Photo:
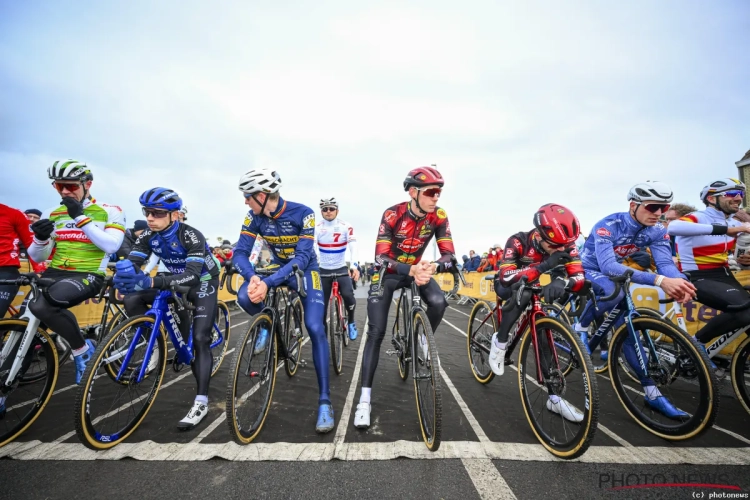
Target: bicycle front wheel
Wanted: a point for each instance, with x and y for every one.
(252, 378)
(427, 380)
(740, 370)
(24, 402)
(563, 412)
(482, 325)
(401, 333)
(108, 410)
(678, 369)
(335, 334)
(220, 332)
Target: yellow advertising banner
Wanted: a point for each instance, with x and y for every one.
(696, 314)
(90, 311)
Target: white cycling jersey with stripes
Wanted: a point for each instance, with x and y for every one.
(332, 239)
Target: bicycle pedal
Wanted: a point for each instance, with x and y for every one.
(508, 361)
(391, 352)
(302, 362)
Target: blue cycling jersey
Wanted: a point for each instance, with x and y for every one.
(619, 235)
(289, 231)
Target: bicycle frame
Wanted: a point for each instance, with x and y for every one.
(26, 341)
(160, 311)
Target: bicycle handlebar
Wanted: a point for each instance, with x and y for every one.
(28, 279)
(226, 278)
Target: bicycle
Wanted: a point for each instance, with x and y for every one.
(677, 355)
(414, 344)
(540, 336)
(244, 419)
(336, 322)
(28, 363)
(134, 358)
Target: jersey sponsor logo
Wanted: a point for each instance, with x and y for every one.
(73, 236)
(406, 259)
(113, 206)
(389, 216)
(281, 240)
(315, 280)
(625, 250)
(441, 213)
(193, 237)
(603, 232)
(509, 253)
(410, 245)
(248, 220)
(404, 224)
(382, 228)
(309, 221)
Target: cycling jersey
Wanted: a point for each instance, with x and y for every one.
(403, 237)
(332, 238)
(14, 229)
(616, 237)
(83, 244)
(183, 251)
(289, 232)
(523, 254)
(702, 239)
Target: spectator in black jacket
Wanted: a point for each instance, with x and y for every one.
(130, 236)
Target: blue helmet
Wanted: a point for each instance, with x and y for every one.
(161, 198)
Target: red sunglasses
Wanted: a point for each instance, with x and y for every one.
(66, 185)
(431, 192)
(655, 207)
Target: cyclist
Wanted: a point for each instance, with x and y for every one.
(333, 236)
(530, 254)
(14, 231)
(611, 241)
(405, 230)
(289, 229)
(704, 240)
(154, 260)
(82, 232)
(188, 260)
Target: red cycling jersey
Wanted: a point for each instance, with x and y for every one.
(523, 254)
(14, 228)
(403, 237)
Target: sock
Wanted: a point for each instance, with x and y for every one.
(555, 399)
(202, 400)
(80, 351)
(651, 392)
(579, 328)
(365, 396)
(501, 345)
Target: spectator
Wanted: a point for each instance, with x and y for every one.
(226, 248)
(675, 212)
(494, 255)
(484, 264)
(466, 263)
(130, 236)
(33, 214)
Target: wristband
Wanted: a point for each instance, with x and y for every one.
(658, 281)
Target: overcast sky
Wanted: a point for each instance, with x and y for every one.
(518, 103)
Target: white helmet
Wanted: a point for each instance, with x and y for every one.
(721, 186)
(330, 202)
(650, 191)
(263, 180)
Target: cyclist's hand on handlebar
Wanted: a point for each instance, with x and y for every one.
(554, 291)
(679, 289)
(256, 290)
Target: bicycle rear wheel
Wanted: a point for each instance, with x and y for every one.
(24, 402)
(251, 383)
(221, 329)
(579, 391)
(679, 370)
(106, 410)
(335, 334)
(740, 370)
(427, 380)
(293, 336)
(478, 341)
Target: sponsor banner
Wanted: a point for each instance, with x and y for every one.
(90, 311)
(696, 314)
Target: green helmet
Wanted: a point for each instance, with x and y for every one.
(69, 170)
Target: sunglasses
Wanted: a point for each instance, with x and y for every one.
(156, 214)
(655, 207)
(733, 194)
(66, 185)
(431, 192)
(328, 209)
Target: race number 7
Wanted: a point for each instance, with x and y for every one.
(336, 237)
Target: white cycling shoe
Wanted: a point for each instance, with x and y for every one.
(497, 357)
(362, 416)
(566, 410)
(197, 413)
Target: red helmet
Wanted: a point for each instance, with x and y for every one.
(556, 224)
(423, 176)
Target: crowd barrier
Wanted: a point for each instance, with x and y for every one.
(90, 311)
(696, 314)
